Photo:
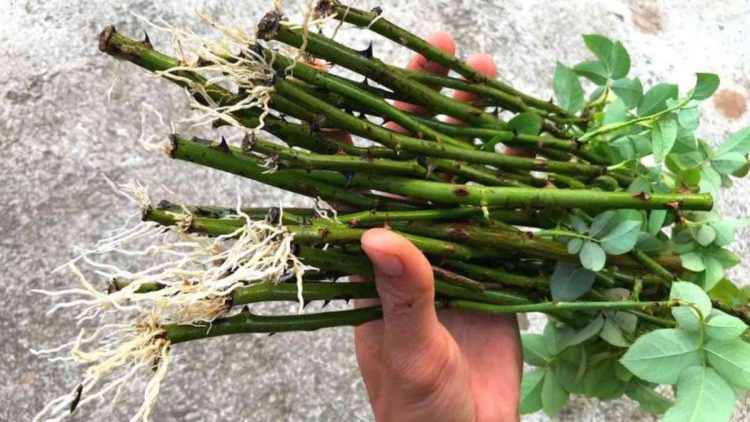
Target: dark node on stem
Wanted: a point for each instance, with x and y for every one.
(76, 398)
(642, 196)
(105, 36)
(540, 164)
(461, 190)
(173, 142)
(529, 235)
(377, 10)
(245, 310)
(163, 204)
(323, 8)
(147, 41)
(367, 52)
(458, 233)
(325, 303)
(112, 287)
(349, 176)
(248, 141)
(294, 249)
(675, 205)
(271, 333)
(269, 25)
(223, 146)
(228, 302)
(273, 216)
(365, 81)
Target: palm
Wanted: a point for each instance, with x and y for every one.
(482, 365)
(491, 346)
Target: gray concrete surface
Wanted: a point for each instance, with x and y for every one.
(58, 133)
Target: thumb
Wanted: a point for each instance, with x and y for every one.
(404, 281)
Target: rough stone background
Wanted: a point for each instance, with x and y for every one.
(58, 134)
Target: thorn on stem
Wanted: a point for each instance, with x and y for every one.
(76, 398)
(366, 53)
(147, 40)
(223, 146)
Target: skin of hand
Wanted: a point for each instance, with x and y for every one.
(419, 364)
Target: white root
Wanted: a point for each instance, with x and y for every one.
(196, 276)
(114, 353)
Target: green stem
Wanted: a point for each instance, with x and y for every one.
(519, 242)
(246, 322)
(401, 36)
(511, 197)
(558, 306)
(654, 266)
(376, 70)
(232, 160)
(342, 87)
(310, 161)
(398, 141)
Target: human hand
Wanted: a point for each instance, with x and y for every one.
(419, 364)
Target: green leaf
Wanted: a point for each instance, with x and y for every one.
(661, 355)
(569, 281)
(531, 391)
(731, 359)
(592, 256)
(649, 243)
(623, 236)
(592, 70)
(601, 381)
(705, 85)
(577, 223)
(568, 90)
(702, 396)
(721, 326)
(570, 368)
(650, 401)
(710, 180)
(574, 245)
(535, 349)
(656, 98)
(554, 396)
(528, 123)
(726, 229)
(615, 112)
(738, 142)
(627, 321)
(729, 162)
(692, 294)
(656, 221)
(600, 45)
(687, 316)
(663, 137)
(603, 223)
(619, 61)
(713, 273)
(612, 334)
(689, 117)
(727, 293)
(706, 235)
(553, 337)
(492, 143)
(630, 91)
(585, 333)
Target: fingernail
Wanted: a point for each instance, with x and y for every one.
(386, 264)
